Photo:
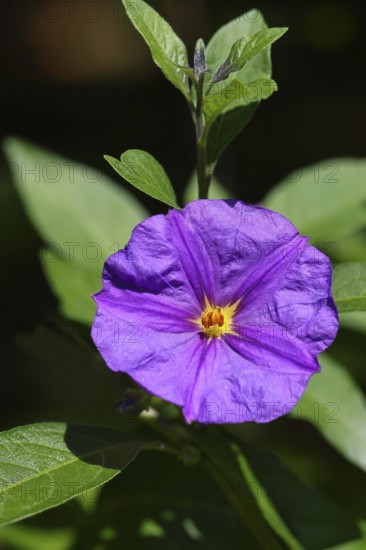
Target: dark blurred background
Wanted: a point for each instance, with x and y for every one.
(77, 78)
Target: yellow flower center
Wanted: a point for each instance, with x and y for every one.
(217, 320)
(213, 321)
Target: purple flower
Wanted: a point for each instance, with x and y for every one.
(220, 308)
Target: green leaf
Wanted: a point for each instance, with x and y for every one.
(59, 363)
(352, 248)
(216, 190)
(167, 49)
(70, 202)
(228, 111)
(45, 465)
(228, 125)
(336, 407)
(161, 504)
(245, 49)
(353, 321)
(349, 286)
(325, 200)
(302, 518)
(359, 544)
(81, 214)
(230, 461)
(23, 537)
(224, 129)
(247, 25)
(145, 173)
(236, 94)
(73, 284)
(265, 504)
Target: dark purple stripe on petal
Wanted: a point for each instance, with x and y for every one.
(194, 258)
(268, 272)
(230, 388)
(150, 264)
(242, 242)
(147, 310)
(273, 351)
(296, 303)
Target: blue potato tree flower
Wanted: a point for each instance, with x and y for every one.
(221, 308)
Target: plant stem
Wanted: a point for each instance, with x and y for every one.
(201, 171)
(202, 176)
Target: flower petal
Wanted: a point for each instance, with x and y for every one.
(162, 362)
(243, 243)
(194, 257)
(150, 265)
(145, 311)
(294, 305)
(230, 388)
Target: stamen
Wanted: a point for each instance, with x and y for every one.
(217, 320)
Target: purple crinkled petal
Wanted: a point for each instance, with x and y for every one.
(231, 388)
(243, 242)
(162, 362)
(194, 257)
(150, 265)
(294, 305)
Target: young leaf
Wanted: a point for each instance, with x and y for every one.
(145, 173)
(82, 215)
(244, 49)
(237, 94)
(247, 26)
(349, 286)
(167, 49)
(309, 520)
(199, 59)
(229, 124)
(47, 464)
(227, 112)
(336, 406)
(325, 200)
